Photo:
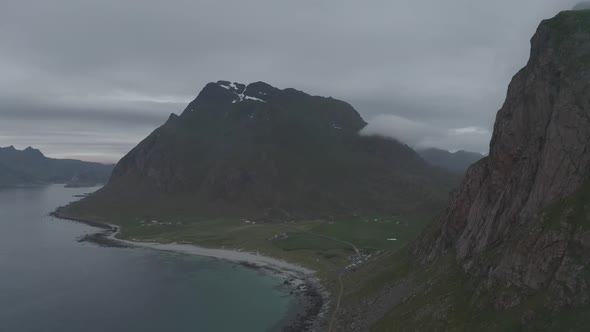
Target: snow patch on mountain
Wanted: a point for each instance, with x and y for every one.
(240, 94)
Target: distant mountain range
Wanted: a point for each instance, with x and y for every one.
(256, 150)
(31, 167)
(457, 162)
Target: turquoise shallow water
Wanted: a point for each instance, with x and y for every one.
(50, 282)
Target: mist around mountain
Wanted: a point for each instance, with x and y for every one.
(582, 6)
(457, 162)
(256, 150)
(30, 167)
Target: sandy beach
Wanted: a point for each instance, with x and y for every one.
(313, 298)
(230, 255)
(311, 294)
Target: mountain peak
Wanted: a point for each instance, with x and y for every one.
(242, 149)
(226, 93)
(232, 86)
(31, 151)
(242, 92)
(30, 167)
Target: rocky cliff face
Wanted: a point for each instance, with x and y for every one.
(256, 150)
(521, 218)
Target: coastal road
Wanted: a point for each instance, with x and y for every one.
(333, 319)
(340, 274)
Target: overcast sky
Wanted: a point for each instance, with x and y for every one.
(89, 79)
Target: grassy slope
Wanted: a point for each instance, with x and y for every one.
(308, 242)
(449, 302)
(448, 305)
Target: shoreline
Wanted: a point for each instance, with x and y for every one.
(313, 299)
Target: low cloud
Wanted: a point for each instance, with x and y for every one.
(421, 135)
(432, 70)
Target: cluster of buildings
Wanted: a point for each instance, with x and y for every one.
(355, 260)
(281, 236)
(155, 222)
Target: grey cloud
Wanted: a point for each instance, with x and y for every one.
(106, 112)
(422, 135)
(72, 139)
(125, 65)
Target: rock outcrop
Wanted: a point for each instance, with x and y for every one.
(520, 220)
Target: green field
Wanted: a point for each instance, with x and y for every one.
(328, 246)
(317, 244)
(325, 246)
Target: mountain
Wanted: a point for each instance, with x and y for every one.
(457, 162)
(31, 167)
(582, 6)
(508, 222)
(255, 150)
(511, 252)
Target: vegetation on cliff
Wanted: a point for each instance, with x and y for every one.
(510, 252)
